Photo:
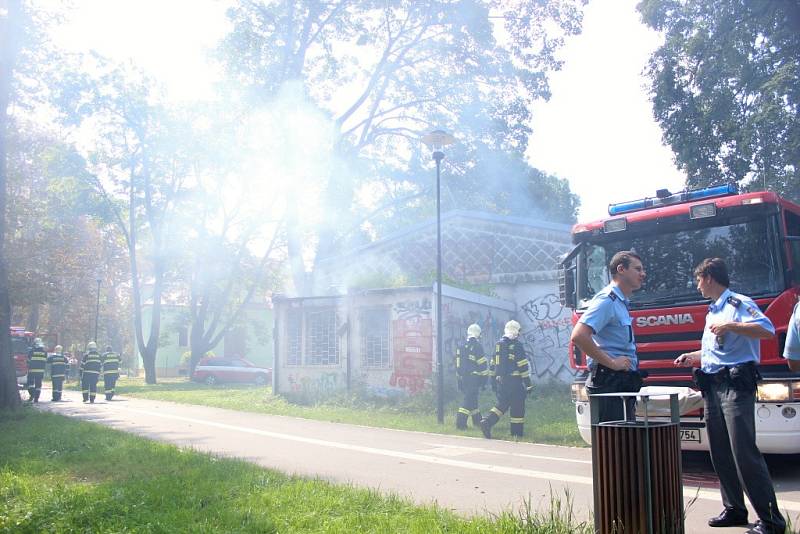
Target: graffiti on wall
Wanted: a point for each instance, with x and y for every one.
(413, 309)
(315, 385)
(412, 342)
(454, 330)
(546, 330)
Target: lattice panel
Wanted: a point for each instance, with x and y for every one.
(475, 251)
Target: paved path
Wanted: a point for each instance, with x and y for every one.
(464, 474)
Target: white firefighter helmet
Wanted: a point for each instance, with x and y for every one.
(58, 349)
(91, 346)
(473, 330)
(512, 329)
(38, 343)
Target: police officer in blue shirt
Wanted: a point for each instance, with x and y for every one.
(728, 377)
(605, 334)
(791, 351)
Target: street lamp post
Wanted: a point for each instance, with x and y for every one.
(436, 140)
(97, 309)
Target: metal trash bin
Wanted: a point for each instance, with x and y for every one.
(636, 470)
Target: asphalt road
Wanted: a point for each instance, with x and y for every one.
(467, 475)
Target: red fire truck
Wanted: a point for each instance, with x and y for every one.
(21, 341)
(758, 236)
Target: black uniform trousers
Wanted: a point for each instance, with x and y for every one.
(511, 395)
(58, 387)
(34, 384)
(109, 380)
(471, 387)
(89, 385)
(604, 380)
(730, 424)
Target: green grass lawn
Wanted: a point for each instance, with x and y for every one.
(63, 475)
(549, 415)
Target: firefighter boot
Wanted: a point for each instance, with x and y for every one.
(489, 421)
(476, 417)
(517, 426)
(86, 396)
(461, 418)
(91, 398)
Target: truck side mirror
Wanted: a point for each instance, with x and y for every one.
(566, 286)
(567, 270)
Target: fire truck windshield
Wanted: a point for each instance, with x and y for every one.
(749, 248)
(19, 345)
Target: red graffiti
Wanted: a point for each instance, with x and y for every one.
(413, 353)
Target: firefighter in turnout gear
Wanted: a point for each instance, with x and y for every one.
(90, 372)
(110, 371)
(472, 370)
(37, 361)
(58, 371)
(512, 375)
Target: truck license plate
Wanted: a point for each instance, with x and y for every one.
(690, 434)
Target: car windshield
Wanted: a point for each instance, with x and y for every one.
(670, 258)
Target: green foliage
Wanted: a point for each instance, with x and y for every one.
(431, 64)
(726, 90)
(62, 475)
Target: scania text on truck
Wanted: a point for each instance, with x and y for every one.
(758, 236)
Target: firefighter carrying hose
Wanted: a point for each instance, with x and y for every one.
(472, 371)
(58, 371)
(90, 372)
(512, 376)
(110, 371)
(37, 361)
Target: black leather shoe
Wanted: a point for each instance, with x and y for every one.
(762, 528)
(729, 518)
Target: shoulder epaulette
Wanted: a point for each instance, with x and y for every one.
(612, 295)
(734, 301)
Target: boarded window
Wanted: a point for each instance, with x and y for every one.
(321, 343)
(375, 337)
(294, 337)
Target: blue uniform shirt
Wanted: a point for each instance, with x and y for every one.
(731, 348)
(791, 350)
(609, 318)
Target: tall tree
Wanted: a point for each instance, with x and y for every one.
(386, 72)
(10, 27)
(140, 165)
(224, 273)
(726, 89)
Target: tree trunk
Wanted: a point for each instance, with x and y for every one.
(149, 359)
(32, 324)
(9, 29)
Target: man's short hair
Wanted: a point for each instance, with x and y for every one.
(623, 257)
(716, 269)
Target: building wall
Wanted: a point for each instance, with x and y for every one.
(546, 327)
(402, 321)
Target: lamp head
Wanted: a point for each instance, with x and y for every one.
(436, 141)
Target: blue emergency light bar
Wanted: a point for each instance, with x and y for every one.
(676, 198)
